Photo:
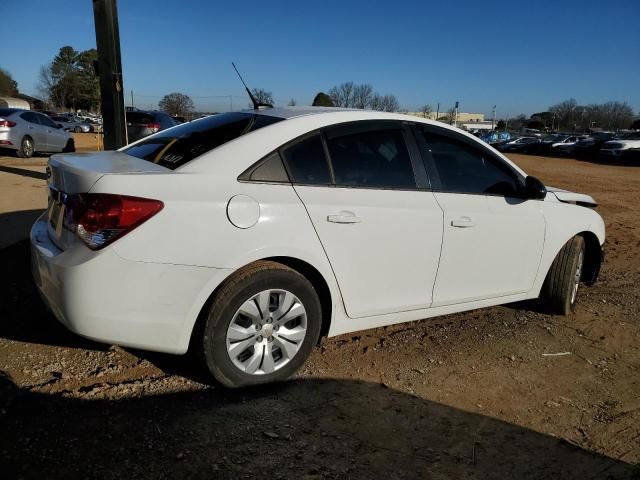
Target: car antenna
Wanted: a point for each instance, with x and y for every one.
(256, 104)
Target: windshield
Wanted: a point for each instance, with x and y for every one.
(174, 147)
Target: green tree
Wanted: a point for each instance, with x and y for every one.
(176, 104)
(88, 94)
(8, 86)
(322, 100)
(69, 81)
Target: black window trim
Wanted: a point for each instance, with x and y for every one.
(419, 172)
(432, 173)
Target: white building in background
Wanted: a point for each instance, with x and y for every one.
(10, 102)
(462, 117)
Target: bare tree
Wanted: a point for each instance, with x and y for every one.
(176, 104)
(566, 113)
(390, 103)
(292, 102)
(426, 110)
(50, 89)
(262, 96)
(362, 95)
(376, 102)
(342, 95)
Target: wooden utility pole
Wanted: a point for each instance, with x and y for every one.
(109, 69)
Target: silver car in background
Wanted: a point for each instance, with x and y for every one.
(71, 124)
(27, 132)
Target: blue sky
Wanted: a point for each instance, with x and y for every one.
(521, 56)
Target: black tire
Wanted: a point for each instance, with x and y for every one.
(27, 147)
(557, 294)
(210, 340)
(77, 130)
(70, 146)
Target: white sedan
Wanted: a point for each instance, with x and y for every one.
(247, 236)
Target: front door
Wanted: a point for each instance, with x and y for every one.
(493, 238)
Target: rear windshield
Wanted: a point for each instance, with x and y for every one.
(7, 111)
(139, 117)
(177, 146)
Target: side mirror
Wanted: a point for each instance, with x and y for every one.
(534, 189)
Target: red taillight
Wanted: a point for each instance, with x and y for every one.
(101, 218)
(153, 126)
(7, 123)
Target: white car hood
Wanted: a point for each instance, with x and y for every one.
(573, 197)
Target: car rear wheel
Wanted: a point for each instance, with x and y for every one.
(70, 146)
(560, 290)
(261, 326)
(27, 148)
(77, 129)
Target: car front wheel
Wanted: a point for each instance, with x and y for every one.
(261, 326)
(560, 290)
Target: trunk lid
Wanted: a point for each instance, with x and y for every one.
(74, 173)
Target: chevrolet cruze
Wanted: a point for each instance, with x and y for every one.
(247, 236)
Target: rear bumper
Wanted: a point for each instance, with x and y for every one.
(106, 298)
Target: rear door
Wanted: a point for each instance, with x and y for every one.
(493, 238)
(380, 227)
(55, 137)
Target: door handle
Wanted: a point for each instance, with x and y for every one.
(344, 217)
(462, 222)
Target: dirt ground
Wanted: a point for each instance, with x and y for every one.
(462, 396)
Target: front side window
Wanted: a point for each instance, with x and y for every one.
(307, 163)
(375, 158)
(177, 146)
(457, 167)
(46, 121)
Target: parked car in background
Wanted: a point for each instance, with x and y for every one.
(246, 236)
(142, 123)
(565, 145)
(516, 145)
(27, 132)
(589, 147)
(615, 149)
(72, 125)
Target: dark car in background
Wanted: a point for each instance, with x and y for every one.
(142, 123)
(589, 147)
(517, 144)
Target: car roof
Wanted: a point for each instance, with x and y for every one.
(11, 111)
(300, 121)
(292, 112)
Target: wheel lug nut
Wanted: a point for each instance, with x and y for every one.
(276, 328)
(259, 338)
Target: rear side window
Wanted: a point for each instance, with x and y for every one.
(174, 148)
(371, 158)
(462, 168)
(307, 162)
(269, 170)
(44, 120)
